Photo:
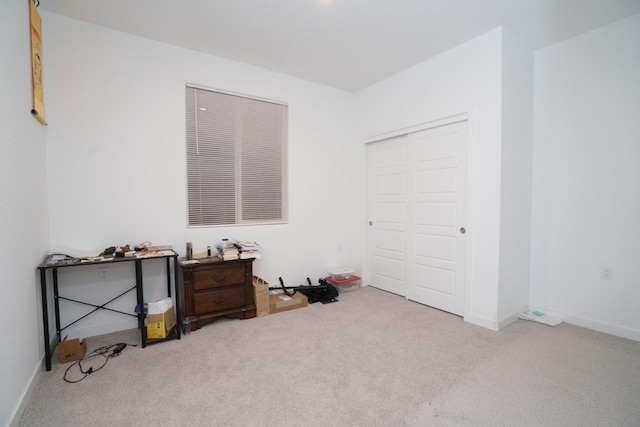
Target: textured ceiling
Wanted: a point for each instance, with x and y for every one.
(347, 44)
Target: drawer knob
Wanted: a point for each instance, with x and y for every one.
(220, 301)
(222, 278)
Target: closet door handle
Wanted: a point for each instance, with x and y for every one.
(462, 230)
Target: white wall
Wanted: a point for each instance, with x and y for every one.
(23, 215)
(116, 159)
(586, 181)
(466, 79)
(515, 182)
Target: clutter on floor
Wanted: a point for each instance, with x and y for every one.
(540, 317)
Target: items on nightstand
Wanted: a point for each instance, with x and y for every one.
(249, 250)
(227, 250)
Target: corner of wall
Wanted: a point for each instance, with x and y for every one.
(482, 322)
(516, 176)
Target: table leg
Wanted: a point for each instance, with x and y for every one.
(45, 319)
(177, 293)
(56, 303)
(140, 294)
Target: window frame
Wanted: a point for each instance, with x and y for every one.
(248, 115)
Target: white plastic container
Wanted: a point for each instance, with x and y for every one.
(341, 273)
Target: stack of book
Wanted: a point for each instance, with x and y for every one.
(227, 250)
(249, 250)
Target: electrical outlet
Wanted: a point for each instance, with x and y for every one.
(607, 272)
(103, 274)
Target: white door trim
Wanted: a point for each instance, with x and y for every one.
(446, 120)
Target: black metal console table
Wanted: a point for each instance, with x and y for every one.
(168, 255)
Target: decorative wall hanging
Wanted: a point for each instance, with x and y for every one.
(36, 61)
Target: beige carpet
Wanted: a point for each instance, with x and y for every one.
(372, 359)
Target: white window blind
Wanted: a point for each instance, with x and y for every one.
(236, 159)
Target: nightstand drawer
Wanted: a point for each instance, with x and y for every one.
(212, 301)
(208, 279)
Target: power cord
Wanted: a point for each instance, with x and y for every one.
(107, 352)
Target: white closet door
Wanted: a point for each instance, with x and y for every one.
(387, 199)
(417, 207)
(437, 217)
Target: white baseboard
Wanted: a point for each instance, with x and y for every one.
(481, 321)
(511, 318)
(26, 394)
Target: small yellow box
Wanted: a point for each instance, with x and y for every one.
(159, 325)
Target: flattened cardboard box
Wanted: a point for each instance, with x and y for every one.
(282, 302)
(159, 325)
(71, 350)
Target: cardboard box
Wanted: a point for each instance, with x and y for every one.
(71, 350)
(280, 302)
(159, 325)
(261, 296)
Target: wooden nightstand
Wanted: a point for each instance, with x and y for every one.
(214, 288)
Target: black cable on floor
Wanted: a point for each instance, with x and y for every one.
(106, 352)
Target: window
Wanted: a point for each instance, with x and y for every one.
(236, 159)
